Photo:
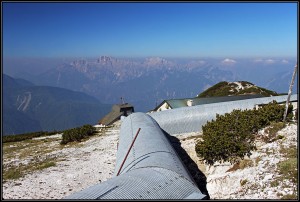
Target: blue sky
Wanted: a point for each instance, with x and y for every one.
(149, 29)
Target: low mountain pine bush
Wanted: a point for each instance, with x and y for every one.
(231, 136)
(77, 134)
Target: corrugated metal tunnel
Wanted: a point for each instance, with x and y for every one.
(191, 119)
(152, 169)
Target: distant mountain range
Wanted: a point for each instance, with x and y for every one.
(146, 82)
(225, 88)
(29, 108)
(141, 82)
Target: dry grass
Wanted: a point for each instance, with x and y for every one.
(11, 171)
(27, 156)
(241, 165)
(192, 137)
(257, 160)
(243, 182)
(21, 158)
(271, 132)
(246, 163)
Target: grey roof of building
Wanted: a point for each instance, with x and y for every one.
(110, 118)
(115, 114)
(177, 103)
(121, 106)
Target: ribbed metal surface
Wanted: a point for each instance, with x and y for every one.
(177, 103)
(151, 147)
(152, 170)
(191, 119)
(143, 183)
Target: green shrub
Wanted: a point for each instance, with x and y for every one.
(26, 136)
(226, 139)
(77, 134)
(231, 136)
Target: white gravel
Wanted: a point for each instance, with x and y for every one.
(89, 164)
(94, 162)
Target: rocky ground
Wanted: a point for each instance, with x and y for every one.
(77, 167)
(80, 165)
(257, 177)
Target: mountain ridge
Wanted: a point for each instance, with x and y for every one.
(225, 88)
(109, 78)
(46, 108)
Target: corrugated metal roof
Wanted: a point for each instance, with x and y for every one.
(177, 103)
(151, 148)
(152, 170)
(191, 119)
(143, 183)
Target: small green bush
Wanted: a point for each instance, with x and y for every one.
(77, 134)
(226, 139)
(231, 136)
(26, 136)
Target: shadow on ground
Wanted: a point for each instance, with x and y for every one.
(191, 166)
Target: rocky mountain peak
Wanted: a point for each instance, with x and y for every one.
(79, 62)
(157, 61)
(104, 59)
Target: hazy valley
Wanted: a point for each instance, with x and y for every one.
(145, 82)
(29, 108)
(49, 96)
